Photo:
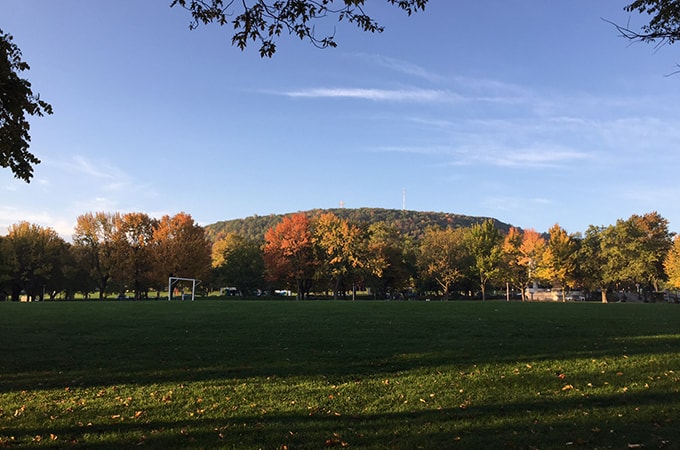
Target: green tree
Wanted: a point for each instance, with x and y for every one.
(76, 270)
(484, 242)
(237, 262)
(443, 257)
(16, 101)
(264, 21)
(635, 250)
(39, 254)
(654, 241)
(595, 268)
(8, 265)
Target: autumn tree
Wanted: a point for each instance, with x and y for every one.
(39, 253)
(484, 243)
(558, 264)
(390, 261)
(16, 101)
(263, 21)
(341, 250)
(181, 248)
(237, 262)
(672, 264)
(289, 253)
(133, 253)
(443, 256)
(512, 268)
(93, 238)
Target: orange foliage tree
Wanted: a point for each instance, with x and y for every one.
(522, 253)
(181, 248)
(289, 253)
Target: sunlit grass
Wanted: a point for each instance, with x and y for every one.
(287, 374)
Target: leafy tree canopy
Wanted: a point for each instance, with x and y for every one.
(16, 101)
(664, 21)
(263, 21)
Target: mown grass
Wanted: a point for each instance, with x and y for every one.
(310, 375)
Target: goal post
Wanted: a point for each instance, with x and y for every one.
(173, 280)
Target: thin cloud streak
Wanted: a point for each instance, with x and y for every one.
(402, 66)
(398, 95)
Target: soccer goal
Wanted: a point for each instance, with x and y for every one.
(172, 281)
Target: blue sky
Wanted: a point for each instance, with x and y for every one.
(534, 113)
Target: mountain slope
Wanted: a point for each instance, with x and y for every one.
(410, 223)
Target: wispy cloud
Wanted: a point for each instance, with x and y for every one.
(96, 170)
(394, 95)
(536, 158)
(103, 176)
(402, 66)
(420, 150)
(543, 156)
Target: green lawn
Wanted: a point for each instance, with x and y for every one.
(324, 374)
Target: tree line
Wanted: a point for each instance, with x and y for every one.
(111, 254)
(322, 254)
(333, 255)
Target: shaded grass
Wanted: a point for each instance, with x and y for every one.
(285, 374)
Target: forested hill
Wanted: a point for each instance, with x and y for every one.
(411, 223)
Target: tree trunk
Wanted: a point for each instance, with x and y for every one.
(604, 295)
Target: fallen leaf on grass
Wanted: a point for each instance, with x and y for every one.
(567, 387)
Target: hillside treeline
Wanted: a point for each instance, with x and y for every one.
(409, 223)
(320, 253)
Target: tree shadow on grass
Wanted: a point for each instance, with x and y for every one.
(599, 421)
(196, 360)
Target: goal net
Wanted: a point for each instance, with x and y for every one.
(173, 284)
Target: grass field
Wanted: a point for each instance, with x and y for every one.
(324, 374)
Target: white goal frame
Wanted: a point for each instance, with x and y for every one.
(173, 280)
